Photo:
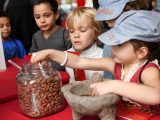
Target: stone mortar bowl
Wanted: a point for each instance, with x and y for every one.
(78, 96)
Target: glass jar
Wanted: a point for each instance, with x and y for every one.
(39, 90)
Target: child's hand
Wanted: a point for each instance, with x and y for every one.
(38, 56)
(101, 88)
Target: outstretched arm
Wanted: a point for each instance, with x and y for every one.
(146, 93)
(74, 61)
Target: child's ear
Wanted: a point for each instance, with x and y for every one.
(142, 52)
(57, 14)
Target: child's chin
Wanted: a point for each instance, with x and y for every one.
(78, 48)
(44, 28)
(5, 36)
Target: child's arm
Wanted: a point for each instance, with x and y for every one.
(146, 93)
(75, 61)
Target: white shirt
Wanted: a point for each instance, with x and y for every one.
(93, 52)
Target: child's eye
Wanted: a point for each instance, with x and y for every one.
(48, 15)
(83, 30)
(71, 31)
(8, 25)
(37, 17)
(120, 45)
(1, 26)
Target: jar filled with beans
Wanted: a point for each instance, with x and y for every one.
(39, 90)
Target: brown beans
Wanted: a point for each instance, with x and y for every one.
(41, 97)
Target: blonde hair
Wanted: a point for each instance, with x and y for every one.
(88, 14)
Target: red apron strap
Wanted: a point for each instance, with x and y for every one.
(79, 74)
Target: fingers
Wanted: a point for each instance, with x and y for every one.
(36, 57)
(33, 58)
(39, 56)
(94, 90)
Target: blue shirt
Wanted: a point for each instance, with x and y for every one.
(13, 48)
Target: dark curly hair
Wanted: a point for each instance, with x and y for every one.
(153, 48)
(53, 3)
(4, 14)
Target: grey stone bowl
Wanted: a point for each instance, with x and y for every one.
(78, 96)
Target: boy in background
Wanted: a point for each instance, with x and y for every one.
(50, 35)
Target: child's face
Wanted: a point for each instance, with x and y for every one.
(124, 53)
(5, 27)
(44, 17)
(82, 35)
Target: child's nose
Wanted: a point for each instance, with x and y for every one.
(76, 34)
(42, 20)
(5, 27)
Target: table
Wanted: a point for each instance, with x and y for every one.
(11, 111)
(9, 107)
(8, 89)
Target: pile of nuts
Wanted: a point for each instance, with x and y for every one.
(40, 96)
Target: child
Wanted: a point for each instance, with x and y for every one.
(110, 10)
(12, 47)
(134, 40)
(50, 35)
(83, 33)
